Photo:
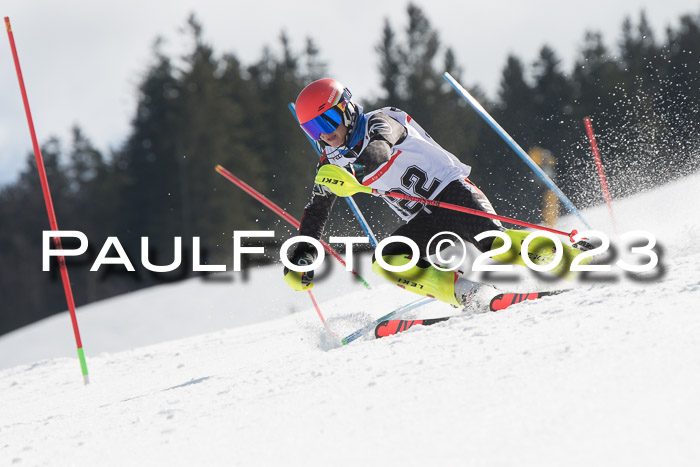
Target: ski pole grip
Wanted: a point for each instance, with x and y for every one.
(572, 235)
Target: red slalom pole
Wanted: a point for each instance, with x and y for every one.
(292, 220)
(281, 212)
(599, 167)
(49, 205)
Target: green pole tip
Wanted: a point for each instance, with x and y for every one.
(83, 364)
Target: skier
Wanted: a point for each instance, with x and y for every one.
(388, 150)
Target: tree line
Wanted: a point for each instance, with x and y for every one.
(203, 108)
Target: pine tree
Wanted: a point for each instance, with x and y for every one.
(389, 68)
(516, 107)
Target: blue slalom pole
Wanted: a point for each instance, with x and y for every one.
(351, 202)
(511, 142)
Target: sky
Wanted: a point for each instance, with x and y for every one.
(82, 61)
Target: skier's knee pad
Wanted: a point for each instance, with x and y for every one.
(423, 278)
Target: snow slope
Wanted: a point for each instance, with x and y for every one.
(607, 374)
(167, 312)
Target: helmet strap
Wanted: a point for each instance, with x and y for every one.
(349, 120)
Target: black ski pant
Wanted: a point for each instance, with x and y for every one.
(433, 220)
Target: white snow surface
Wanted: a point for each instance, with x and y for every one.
(606, 374)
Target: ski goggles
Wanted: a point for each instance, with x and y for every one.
(328, 121)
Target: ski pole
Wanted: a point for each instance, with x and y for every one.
(351, 202)
(320, 315)
(282, 213)
(599, 168)
(515, 146)
(342, 183)
(49, 205)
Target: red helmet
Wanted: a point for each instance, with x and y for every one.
(322, 106)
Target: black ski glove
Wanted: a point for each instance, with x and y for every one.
(300, 280)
